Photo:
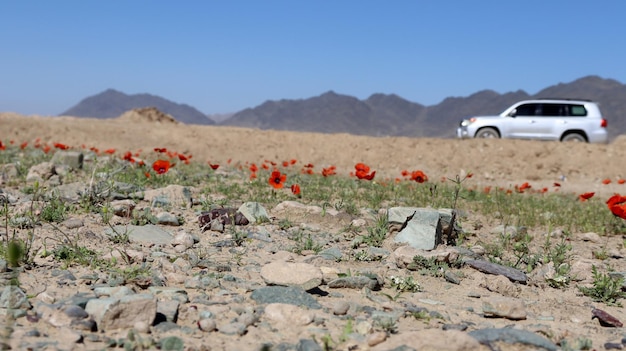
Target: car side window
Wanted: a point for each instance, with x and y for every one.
(552, 110)
(577, 110)
(526, 110)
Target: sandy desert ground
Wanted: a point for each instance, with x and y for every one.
(578, 167)
(554, 313)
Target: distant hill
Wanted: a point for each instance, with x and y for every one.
(391, 115)
(378, 115)
(112, 103)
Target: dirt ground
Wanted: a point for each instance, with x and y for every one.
(578, 167)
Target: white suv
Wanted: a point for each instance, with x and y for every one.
(541, 119)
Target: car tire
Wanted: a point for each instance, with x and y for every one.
(488, 133)
(575, 137)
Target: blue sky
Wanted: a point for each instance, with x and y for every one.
(224, 56)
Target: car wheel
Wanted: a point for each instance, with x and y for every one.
(574, 137)
(488, 133)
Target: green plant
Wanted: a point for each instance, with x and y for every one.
(54, 210)
(119, 237)
(432, 266)
(143, 217)
(387, 324)
(305, 244)
(605, 288)
(403, 284)
(376, 234)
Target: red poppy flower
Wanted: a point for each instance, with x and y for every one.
(253, 168)
(295, 189)
(160, 150)
(469, 175)
(405, 173)
(24, 145)
(419, 176)
(617, 205)
(363, 171)
(621, 181)
(265, 166)
(285, 163)
(556, 184)
(214, 166)
(161, 166)
(293, 161)
(61, 146)
(367, 176)
(362, 167)
(252, 175)
(46, 148)
(277, 179)
(585, 196)
(606, 181)
(329, 171)
(307, 171)
(128, 156)
(2, 146)
(185, 158)
(487, 189)
(110, 151)
(521, 188)
(309, 165)
(147, 174)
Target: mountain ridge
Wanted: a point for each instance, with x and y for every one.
(378, 115)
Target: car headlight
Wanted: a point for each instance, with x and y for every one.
(467, 122)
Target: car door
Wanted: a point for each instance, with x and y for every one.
(523, 122)
(551, 119)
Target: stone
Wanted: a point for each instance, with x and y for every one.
(287, 315)
(341, 308)
(40, 172)
(168, 309)
(504, 307)
(528, 340)
(430, 339)
(184, 239)
(421, 227)
(494, 268)
(303, 275)
(72, 159)
(166, 218)
(146, 234)
(591, 237)
(501, 285)
(123, 313)
(68, 192)
(354, 282)
(289, 295)
(123, 208)
(253, 211)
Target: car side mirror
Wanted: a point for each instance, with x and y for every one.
(513, 113)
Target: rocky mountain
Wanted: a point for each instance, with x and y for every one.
(391, 115)
(378, 115)
(112, 103)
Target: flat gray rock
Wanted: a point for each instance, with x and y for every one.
(281, 294)
(150, 234)
(512, 336)
(493, 268)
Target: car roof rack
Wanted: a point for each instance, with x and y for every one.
(568, 99)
